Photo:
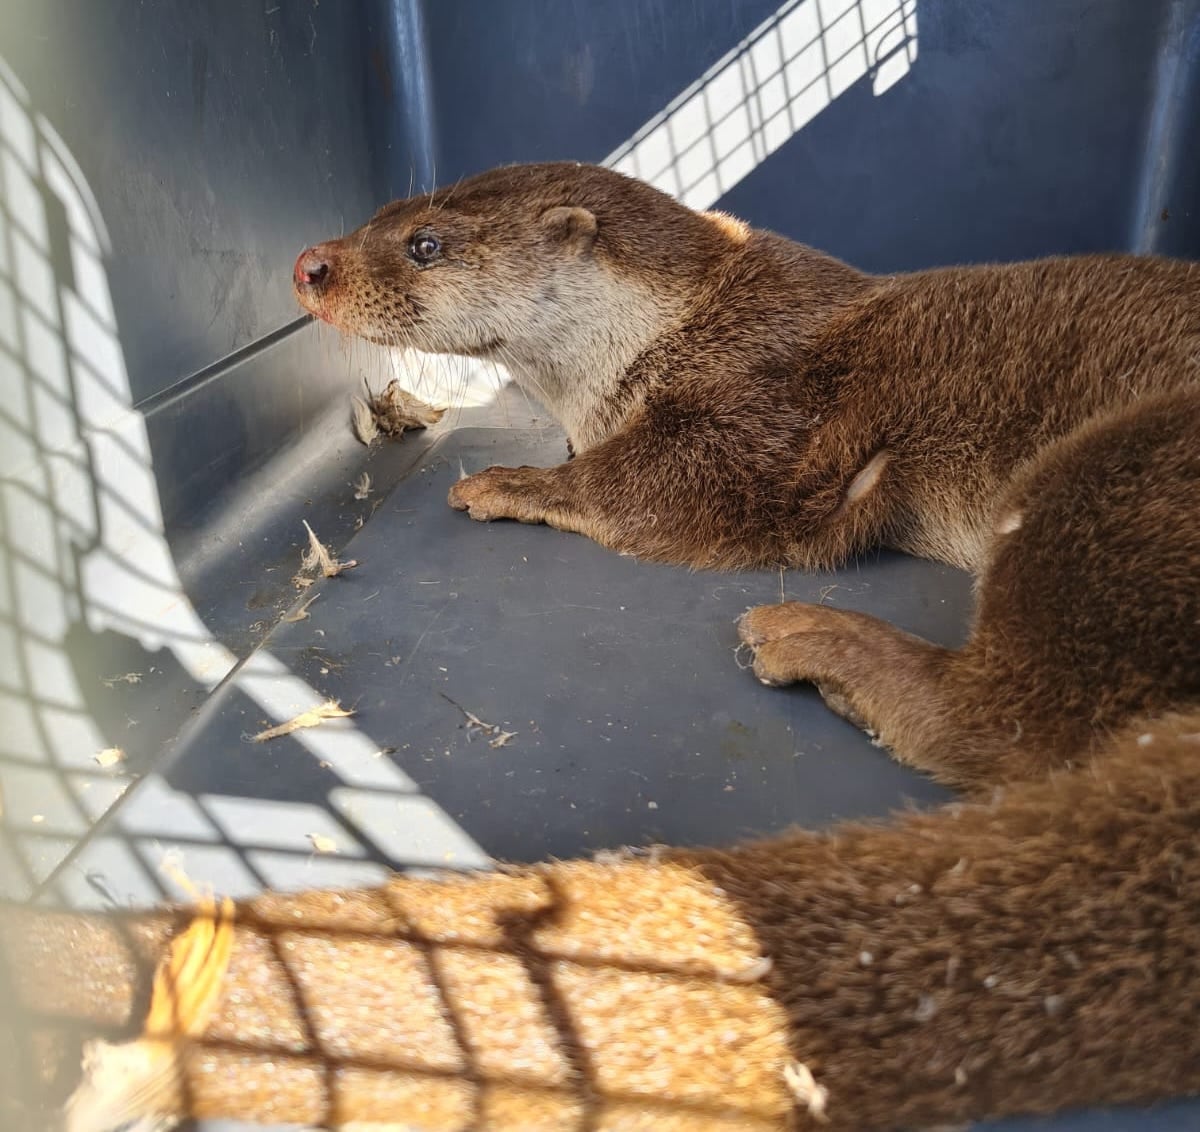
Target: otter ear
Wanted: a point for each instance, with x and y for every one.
(574, 227)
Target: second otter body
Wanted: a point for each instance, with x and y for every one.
(736, 399)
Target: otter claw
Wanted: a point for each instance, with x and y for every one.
(747, 633)
(474, 510)
(464, 496)
(768, 673)
(491, 494)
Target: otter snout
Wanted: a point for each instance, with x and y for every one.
(312, 277)
(313, 267)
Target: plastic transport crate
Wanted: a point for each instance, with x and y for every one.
(168, 420)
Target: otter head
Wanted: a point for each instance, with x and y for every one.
(564, 273)
(448, 278)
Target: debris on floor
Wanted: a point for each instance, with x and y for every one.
(476, 726)
(362, 486)
(363, 421)
(110, 756)
(318, 557)
(391, 412)
(314, 717)
(322, 844)
(302, 613)
(124, 678)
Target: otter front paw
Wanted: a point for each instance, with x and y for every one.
(796, 641)
(501, 493)
(774, 622)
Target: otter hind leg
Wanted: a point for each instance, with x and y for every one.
(1086, 616)
(902, 690)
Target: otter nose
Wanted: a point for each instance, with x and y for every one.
(312, 268)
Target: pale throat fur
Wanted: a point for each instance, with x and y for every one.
(587, 331)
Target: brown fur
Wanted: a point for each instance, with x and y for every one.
(1088, 611)
(723, 423)
(1028, 953)
(736, 399)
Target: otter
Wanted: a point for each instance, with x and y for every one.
(736, 399)
(1025, 953)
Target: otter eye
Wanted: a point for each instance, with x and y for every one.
(424, 247)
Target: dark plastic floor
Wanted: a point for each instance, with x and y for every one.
(632, 720)
(148, 546)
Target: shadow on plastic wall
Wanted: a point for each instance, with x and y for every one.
(91, 605)
(767, 89)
